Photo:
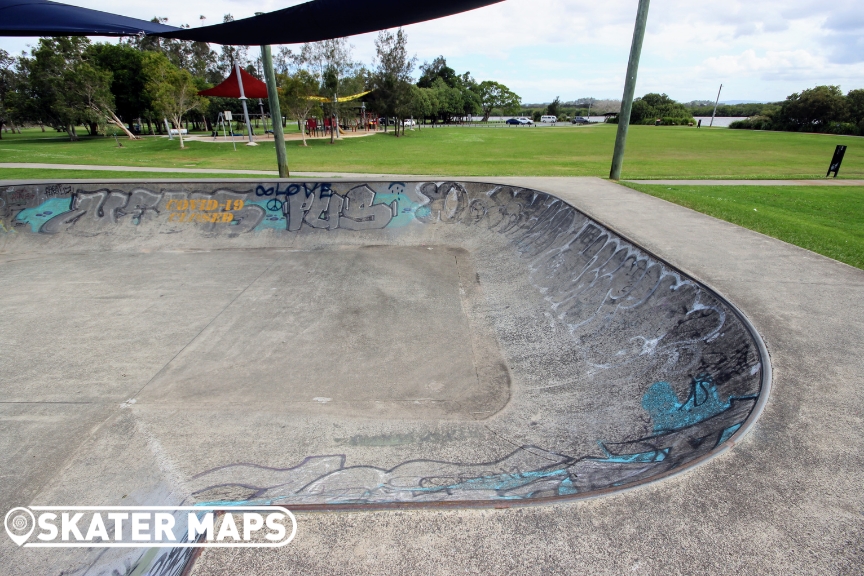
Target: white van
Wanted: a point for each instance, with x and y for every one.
(548, 119)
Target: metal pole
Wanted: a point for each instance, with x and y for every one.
(335, 119)
(263, 117)
(275, 111)
(243, 100)
(715, 106)
(629, 89)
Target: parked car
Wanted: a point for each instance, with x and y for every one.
(521, 121)
(579, 120)
(548, 119)
(410, 122)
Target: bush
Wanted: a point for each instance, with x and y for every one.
(754, 123)
(537, 115)
(843, 129)
(677, 121)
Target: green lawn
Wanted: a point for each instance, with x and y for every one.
(828, 220)
(63, 174)
(652, 152)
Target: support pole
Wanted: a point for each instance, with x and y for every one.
(716, 102)
(245, 109)
(275, 111)
(629, 89)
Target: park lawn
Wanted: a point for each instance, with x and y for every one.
(104, 175)
(652, 152)
(828, 220)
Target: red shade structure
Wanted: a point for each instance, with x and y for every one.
(240, 84)
(230, 88)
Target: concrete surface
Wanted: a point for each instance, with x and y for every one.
(785, 500)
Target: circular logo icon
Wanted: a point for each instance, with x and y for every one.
(20, 523)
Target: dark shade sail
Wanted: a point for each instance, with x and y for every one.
(252, 87)
(323, 19)
(44, 18)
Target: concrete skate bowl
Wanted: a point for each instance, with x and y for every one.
(371, 344)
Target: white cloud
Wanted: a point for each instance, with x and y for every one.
(759, 49)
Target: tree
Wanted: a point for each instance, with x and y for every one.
(7, 83)
(294, 96)
(232, 54)
(652, 106)
(93, 87)
(554, 108)
(431, 71)
(392, 75)
(331, 62)
(127, 78)
(423, 102)
(855, 105)
(65, 88)
(450, 100)
(494, 95)
(171, 89)
(197, 57)
(814, 108)
(470, 95)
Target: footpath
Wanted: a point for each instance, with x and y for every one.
(99, 168)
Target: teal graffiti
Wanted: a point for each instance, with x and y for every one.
(36, 217)
(669, 414)
(727, 433)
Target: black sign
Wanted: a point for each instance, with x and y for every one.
(839, 152)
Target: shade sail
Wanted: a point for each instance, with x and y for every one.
(44, 18)
(323, 19)
(229, 88)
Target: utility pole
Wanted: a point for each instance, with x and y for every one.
(275, 111)
(243, 100)
(715, 106)
(629, 89)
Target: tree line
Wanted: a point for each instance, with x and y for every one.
(822, 109)
(143, 85)
(653, 107)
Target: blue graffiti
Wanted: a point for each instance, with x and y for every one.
(669, 414)
(639, 458)
(275, 204)
(36, 217)
(727, 433)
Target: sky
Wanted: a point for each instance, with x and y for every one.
(760, 50)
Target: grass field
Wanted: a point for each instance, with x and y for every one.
(652, 152)
(825, 219)
(62, 174)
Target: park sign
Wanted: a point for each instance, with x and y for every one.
(839, 152)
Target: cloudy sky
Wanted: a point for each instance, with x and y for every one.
(759, 50)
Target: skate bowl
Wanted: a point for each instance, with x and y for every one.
(331, 345)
